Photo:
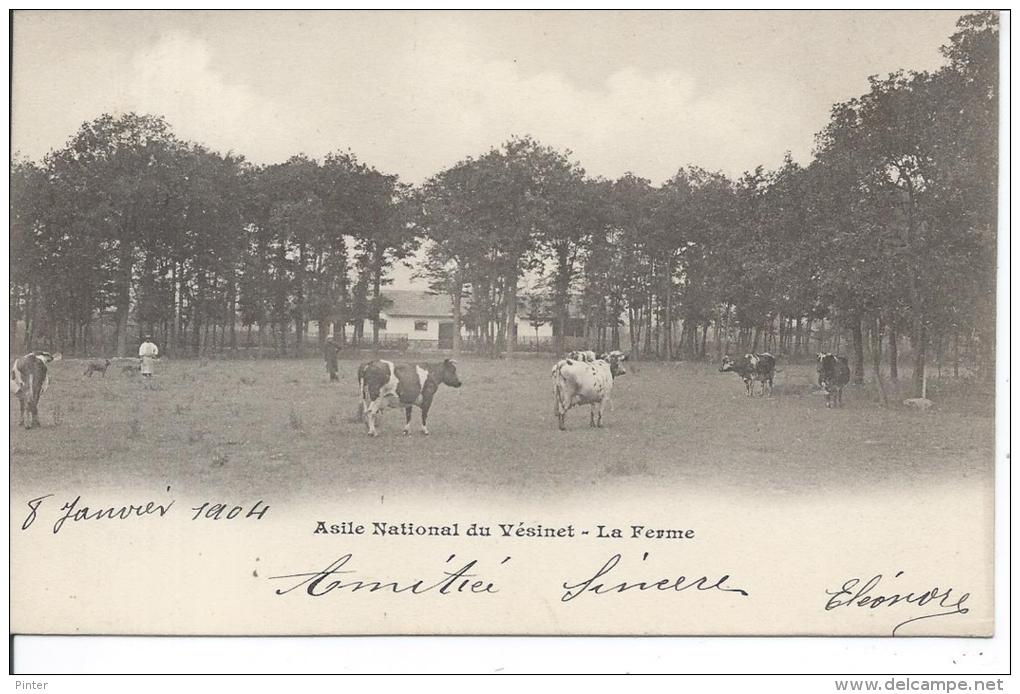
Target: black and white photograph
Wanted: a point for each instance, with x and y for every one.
(533, 323)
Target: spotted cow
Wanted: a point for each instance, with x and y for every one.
(577, 382)
(29, 379)
(582, 355)
(751, 368)
(833, 375)
(384, 384)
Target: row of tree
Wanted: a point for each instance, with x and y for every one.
(889, 231)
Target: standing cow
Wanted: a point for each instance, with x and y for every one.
(751, 368)
(833, 375)
(29, 379)
(383, 384)
(578, 382)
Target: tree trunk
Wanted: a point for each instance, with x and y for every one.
(858, 345)
(669, 308)
(876, 360)
(894, 372)
(457, 299)
(956, 352)
(376, 297)
(232, 316)
(919, 344)
(124, 296)
(510, 300)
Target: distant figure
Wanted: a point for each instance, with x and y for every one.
(147, 355)
(332, 367)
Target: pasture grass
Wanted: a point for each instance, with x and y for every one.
(280, 427)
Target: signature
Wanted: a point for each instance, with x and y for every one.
(855, 592)
(338, 576)
(675, 583)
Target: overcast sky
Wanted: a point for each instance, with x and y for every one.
(411, 93)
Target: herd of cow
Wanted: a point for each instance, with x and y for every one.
(580, 378)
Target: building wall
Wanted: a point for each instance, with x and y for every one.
(404, 325)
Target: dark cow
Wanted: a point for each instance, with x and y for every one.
(29, 378)
(833, 375)
(580, 382)
(384, 384)
(96, 367)
(751, 368)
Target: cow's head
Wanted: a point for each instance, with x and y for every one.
(448, 373)
(615, 360)
(46, 357)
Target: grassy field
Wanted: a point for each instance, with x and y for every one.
(279, 426)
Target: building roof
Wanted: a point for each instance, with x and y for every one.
(409, 302)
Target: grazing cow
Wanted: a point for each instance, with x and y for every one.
(96, 367)
(751, 368)
(582, 355)
(833, 375)
(578, 382)
(383, 384)
(29, 379)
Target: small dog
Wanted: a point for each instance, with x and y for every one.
(96, 367)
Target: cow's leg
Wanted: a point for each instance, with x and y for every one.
(407, 421)
(370, 416)
(749, 384)
(425, 418)
(33, 414)
(592, 416)
(600, 405)
(561, 415)
(21, 417)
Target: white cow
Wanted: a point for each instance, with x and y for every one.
(586, 383)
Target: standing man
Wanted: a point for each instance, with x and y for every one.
(147, 354)
(331, 360)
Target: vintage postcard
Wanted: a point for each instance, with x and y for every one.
(545, 323)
